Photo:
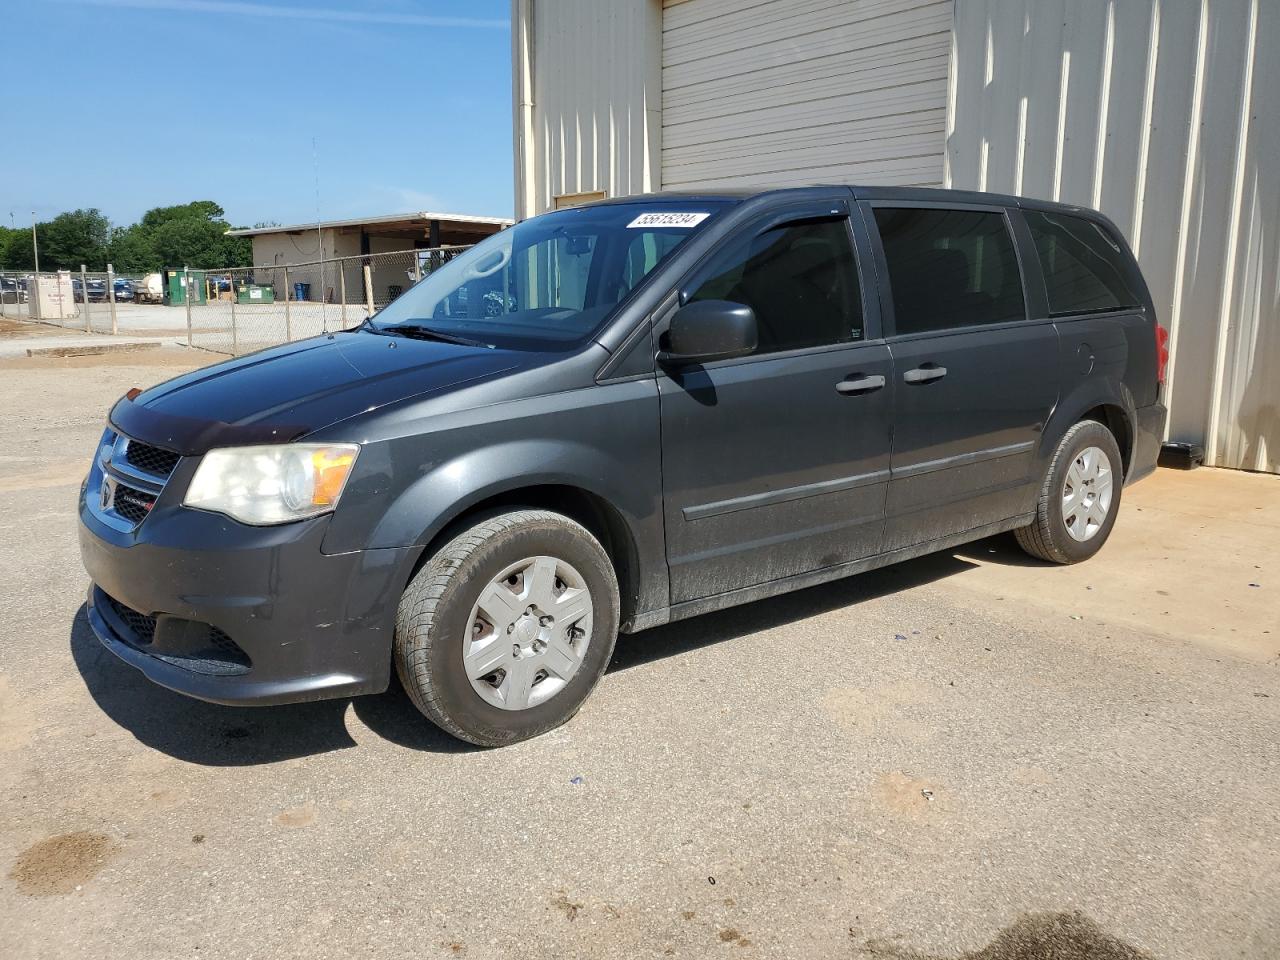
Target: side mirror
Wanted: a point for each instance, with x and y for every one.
(707, 330)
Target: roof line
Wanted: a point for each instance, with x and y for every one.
(361, 221)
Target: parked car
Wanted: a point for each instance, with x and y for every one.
(124, 289)
(720, 397)
(12, 290)
(96, 286)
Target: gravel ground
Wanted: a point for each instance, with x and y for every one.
(968, 755)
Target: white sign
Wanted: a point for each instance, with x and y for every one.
(682, 220)
(255, 294)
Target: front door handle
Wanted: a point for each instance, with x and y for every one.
(925, 374)
(857, 385)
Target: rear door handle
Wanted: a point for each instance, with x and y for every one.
(853, 387)
(924, 374)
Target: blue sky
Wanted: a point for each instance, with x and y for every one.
(155, 102)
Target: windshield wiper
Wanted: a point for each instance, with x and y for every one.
(420, 331)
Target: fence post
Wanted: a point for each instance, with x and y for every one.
(342, 288)
(235, 340)
(15, 295)
(288, 315)
(368, 289)
(186, 298)
(84, 292)
(111, 297)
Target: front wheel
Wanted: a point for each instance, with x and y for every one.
(1079, 499)
(508, 627)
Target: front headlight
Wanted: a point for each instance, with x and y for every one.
(272, 484)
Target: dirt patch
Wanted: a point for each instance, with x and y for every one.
(177, 358)
(61, 864)
(303, 816)
(566, 906)
(61, 473)
(1036, 936)
(882, 710)
(730, 935)
(912, 797)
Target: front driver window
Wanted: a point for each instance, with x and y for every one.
(800, 279)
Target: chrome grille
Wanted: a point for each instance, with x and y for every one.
(126, 480)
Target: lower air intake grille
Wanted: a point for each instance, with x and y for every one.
(143, 627)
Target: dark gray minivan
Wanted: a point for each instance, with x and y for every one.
(614, 416)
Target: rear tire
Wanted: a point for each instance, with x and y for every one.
(508, 627)
(1079, 499)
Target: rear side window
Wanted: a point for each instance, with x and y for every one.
(800, 279)
(1085, 269)
(950, 268)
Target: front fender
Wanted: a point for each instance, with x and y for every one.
(436, 498)
(602, 440)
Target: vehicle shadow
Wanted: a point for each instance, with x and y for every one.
(212, 735)
(683, 636)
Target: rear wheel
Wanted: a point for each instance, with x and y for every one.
(508, 627)
(1079, 499)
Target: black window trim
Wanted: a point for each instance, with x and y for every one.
(808, 211)
(888, 316)
(1116, 238)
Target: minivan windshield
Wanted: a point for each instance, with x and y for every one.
(549, 282)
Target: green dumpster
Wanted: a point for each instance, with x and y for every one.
(255, 293)
(176, 287)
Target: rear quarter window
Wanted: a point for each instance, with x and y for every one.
(1086, 270)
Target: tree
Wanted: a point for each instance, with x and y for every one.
(75, 238)
(130, 250)
(193, 234)
(15, 249)
(190, 234)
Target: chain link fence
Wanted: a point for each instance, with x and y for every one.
(233, 311)
(82, 299)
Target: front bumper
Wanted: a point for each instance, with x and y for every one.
(311, 625)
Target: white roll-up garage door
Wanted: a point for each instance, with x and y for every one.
(786, 92)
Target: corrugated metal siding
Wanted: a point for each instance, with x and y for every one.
(595, 68)
(1165, 115)
(782, 92)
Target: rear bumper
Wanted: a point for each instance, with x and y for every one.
(307, 625)
(1148, 434)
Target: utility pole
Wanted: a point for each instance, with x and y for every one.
(35, 244)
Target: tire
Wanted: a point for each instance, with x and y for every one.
(1050, 536)
(446, 628)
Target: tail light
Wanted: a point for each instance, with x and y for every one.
(1162, 353)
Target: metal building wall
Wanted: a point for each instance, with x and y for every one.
(1165, 114)
(587, 98)
(785, 92)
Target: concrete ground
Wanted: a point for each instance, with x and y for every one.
(968, 755)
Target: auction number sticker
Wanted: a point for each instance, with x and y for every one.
(681, 220)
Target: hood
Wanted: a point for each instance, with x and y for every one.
(287, 392)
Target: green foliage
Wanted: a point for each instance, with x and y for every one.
(75, 238)
(15, 249)
(191, 234)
